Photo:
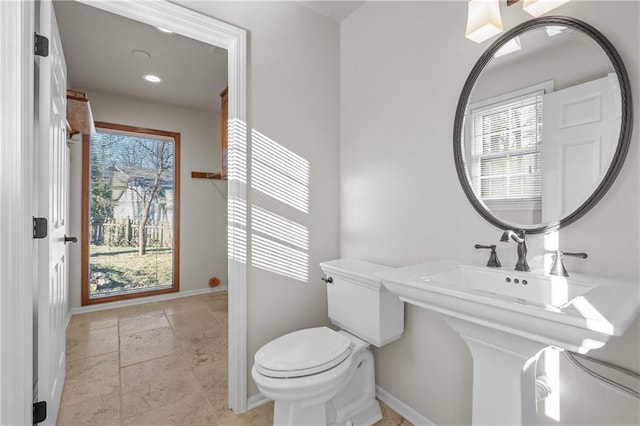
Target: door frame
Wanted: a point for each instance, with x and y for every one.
(17, 188)
(209, 30)
(18, 269)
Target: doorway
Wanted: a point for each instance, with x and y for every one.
(211, 31)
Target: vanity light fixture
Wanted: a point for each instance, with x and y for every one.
(484, 20)
(152, 78)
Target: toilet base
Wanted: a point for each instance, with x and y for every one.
(294, 413)
(370, 415)
(287, 413)
(353, 404)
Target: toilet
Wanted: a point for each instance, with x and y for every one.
(318, 376)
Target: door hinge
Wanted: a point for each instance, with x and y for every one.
(39, 227)
(41, 45)
(39, 412)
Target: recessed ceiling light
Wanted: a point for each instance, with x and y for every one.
(164, 30)
(141, 54)
(152, 78)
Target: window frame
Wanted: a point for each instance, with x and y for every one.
(85, 206)
(473, 161)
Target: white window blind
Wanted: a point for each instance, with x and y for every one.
(505, 149)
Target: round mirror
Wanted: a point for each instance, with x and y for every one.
(543, 125)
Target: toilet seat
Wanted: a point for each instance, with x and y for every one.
(302, 353)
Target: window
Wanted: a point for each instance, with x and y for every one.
(130, 213)
(503, 148)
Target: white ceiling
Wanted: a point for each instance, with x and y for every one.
(337, 10)
(98, 50)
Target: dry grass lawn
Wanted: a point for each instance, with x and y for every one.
(121, 269)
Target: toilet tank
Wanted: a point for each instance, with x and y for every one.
(360, 304)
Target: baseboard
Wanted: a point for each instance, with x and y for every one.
(256, 400)
(67, 319)
(143, 300)
(403, 409)
(394, 403)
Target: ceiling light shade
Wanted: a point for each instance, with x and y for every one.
(152, 78)
(511, 46)
(483, 21)
(536, 8)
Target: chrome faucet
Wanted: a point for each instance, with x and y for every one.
(521, 239)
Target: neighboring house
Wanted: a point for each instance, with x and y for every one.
(131, 185)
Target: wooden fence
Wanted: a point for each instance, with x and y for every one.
(124, 233)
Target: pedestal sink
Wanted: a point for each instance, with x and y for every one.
(507, 318)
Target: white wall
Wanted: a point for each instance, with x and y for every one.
(293, 100)
(203, 205)
(403, 66)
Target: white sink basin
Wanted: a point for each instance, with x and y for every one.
(507, 318)
(578, 312)
(517, 287)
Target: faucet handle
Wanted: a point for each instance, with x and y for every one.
(558, 265)
(493, 257)
(580, 255)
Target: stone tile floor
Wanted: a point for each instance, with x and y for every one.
(161, 363)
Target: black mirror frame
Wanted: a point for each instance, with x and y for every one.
(626, 125)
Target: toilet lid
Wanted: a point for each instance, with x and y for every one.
(302, 353)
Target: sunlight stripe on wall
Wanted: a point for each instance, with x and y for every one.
(279, 173)
(236, 204)
(237, 230)
(237, 155)
(278, 258)
(279, 228)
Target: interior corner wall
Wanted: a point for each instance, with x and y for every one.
(203, 204)
(402, 69)
(293, 126)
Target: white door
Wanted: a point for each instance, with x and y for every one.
(53, 154)
(579, 133)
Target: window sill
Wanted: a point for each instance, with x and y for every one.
(515, 204)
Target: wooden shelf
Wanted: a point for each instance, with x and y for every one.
(224, 116)
(207, 175)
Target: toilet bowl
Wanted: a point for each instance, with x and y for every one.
(318, 376)
(307, 395)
